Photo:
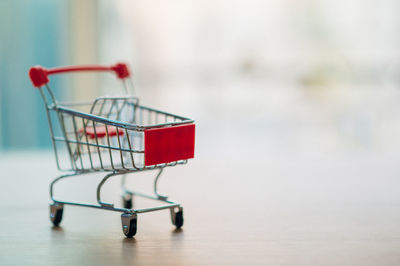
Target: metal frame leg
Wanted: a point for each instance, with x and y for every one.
(157, 196)
(98, 191)
(102, 205)
(55, 181)
(109, 206)
(160, 196)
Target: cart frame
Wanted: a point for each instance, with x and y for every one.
(130, 129)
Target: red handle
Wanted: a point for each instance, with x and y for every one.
(39, 75)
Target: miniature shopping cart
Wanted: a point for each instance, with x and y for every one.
(117, 136)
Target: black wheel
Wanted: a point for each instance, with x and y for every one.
(56, 214)
(132, 229)
(128, 202)
(179, 219)
(129, 224)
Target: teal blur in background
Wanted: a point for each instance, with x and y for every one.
(31, 32)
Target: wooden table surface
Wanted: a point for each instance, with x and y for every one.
(248, 208)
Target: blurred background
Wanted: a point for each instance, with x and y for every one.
(278, 76)
(296, 104)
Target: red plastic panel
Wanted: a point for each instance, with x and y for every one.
(101, 131)
(168, 144)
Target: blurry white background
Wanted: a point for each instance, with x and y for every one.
(304, 75)
(308, 76)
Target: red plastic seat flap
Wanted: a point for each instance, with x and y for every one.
(101, 132)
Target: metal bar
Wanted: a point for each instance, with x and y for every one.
(55, 181)
(78, 144)
(123, 182)
(169, 206)
(147, 196)
(94, 206)
(62, 123)
(53, 98)
(112, 122)
(149, 117)
(130, 147)
(107, 206)
(119, 110)
(162, 112)
(124, 210)
(132, 86)
(93, 105)
(98, 191)
(135, 107)
(50, 127)
(87, 143)
(116, 97)
(98, 148)
(126, 112)
(111, 108)
(160, 196)
(120, 151)
(101, 107)
(99, 145)
(140, 116)
(76, 103)
(109, 148)
(125, 87)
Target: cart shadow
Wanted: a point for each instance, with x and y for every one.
(132, 242)
(177, 231)
(133, 248)
(57, 229)
(129, 241)
(57, 233)
(177, 236)
(129, 250)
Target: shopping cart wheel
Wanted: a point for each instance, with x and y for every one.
(179, 219)
(127, 201)
(129, 224)
(56, 213)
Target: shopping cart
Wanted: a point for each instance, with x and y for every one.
(117, 136)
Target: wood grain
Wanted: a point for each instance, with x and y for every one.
(299, 210)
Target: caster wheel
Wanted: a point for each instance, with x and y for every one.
(127, 201)
(177, 218)
(129, 224)
(56, 213)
